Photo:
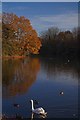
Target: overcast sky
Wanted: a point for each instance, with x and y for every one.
(63, 15)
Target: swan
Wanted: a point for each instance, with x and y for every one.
(39, 110)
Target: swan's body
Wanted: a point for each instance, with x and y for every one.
(38, 110)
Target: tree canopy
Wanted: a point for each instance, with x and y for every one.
(60, 43)
(19, 37)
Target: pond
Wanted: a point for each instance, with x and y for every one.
(44, 80)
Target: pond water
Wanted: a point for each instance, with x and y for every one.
(40, 79)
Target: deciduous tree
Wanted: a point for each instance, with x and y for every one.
(20, 34)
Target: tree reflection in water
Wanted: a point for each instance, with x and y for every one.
(55, 75)
(54, 66)
(18, 75)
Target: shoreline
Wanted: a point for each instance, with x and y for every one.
(12, 57)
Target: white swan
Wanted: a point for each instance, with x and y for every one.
(38, 110)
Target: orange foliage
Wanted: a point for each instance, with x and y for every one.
(19, 77)
(25, 36)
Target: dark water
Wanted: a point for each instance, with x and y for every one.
(40, 79)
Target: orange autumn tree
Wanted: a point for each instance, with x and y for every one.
(21, 38)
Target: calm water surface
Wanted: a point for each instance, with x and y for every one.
(40, 79)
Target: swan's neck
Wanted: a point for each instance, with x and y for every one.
(32, 105)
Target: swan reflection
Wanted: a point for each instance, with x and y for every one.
(33, 115)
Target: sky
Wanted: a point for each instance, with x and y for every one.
(44, 15)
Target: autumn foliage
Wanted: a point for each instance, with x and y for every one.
(19, 37)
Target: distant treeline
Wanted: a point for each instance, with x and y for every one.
(19, 38)
(60, 43)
